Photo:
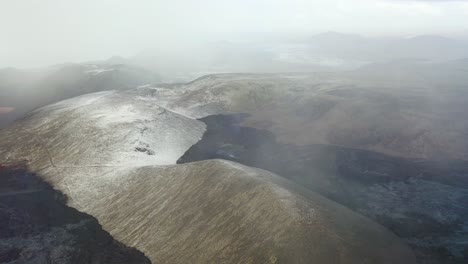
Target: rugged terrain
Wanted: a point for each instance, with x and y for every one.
(111, 154)
(420, 117)
(422, 201)
(366, 165)
(37, 227)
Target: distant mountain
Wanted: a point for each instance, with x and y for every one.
(330, 51)
(379, 49)
(224, 57)
(25, 90)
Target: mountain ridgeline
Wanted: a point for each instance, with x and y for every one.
(25, 90)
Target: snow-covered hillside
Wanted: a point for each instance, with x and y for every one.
(111, 129)
(111, 154)
(421, 118)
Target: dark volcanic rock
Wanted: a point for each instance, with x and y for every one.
(422, 201)
(37, 227)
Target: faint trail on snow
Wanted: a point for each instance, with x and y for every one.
(44, 146)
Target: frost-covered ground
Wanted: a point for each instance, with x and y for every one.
(113, 155)
(419, 118)
(112, 129)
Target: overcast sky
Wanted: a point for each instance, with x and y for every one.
(43, 32)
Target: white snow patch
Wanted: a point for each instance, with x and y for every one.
(98, 71)
(117, 114)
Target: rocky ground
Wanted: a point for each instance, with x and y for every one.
(92, 148)
(422, 201)
(37, 227)
(389, 153)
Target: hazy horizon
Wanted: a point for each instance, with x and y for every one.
(41, 33)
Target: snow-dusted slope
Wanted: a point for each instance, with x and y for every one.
(222, 212)
(111, 129)
(421, 117)
(110, 153)
(25, 90)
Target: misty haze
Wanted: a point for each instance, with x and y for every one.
(234, 131)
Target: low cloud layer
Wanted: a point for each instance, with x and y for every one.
(43, 32)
